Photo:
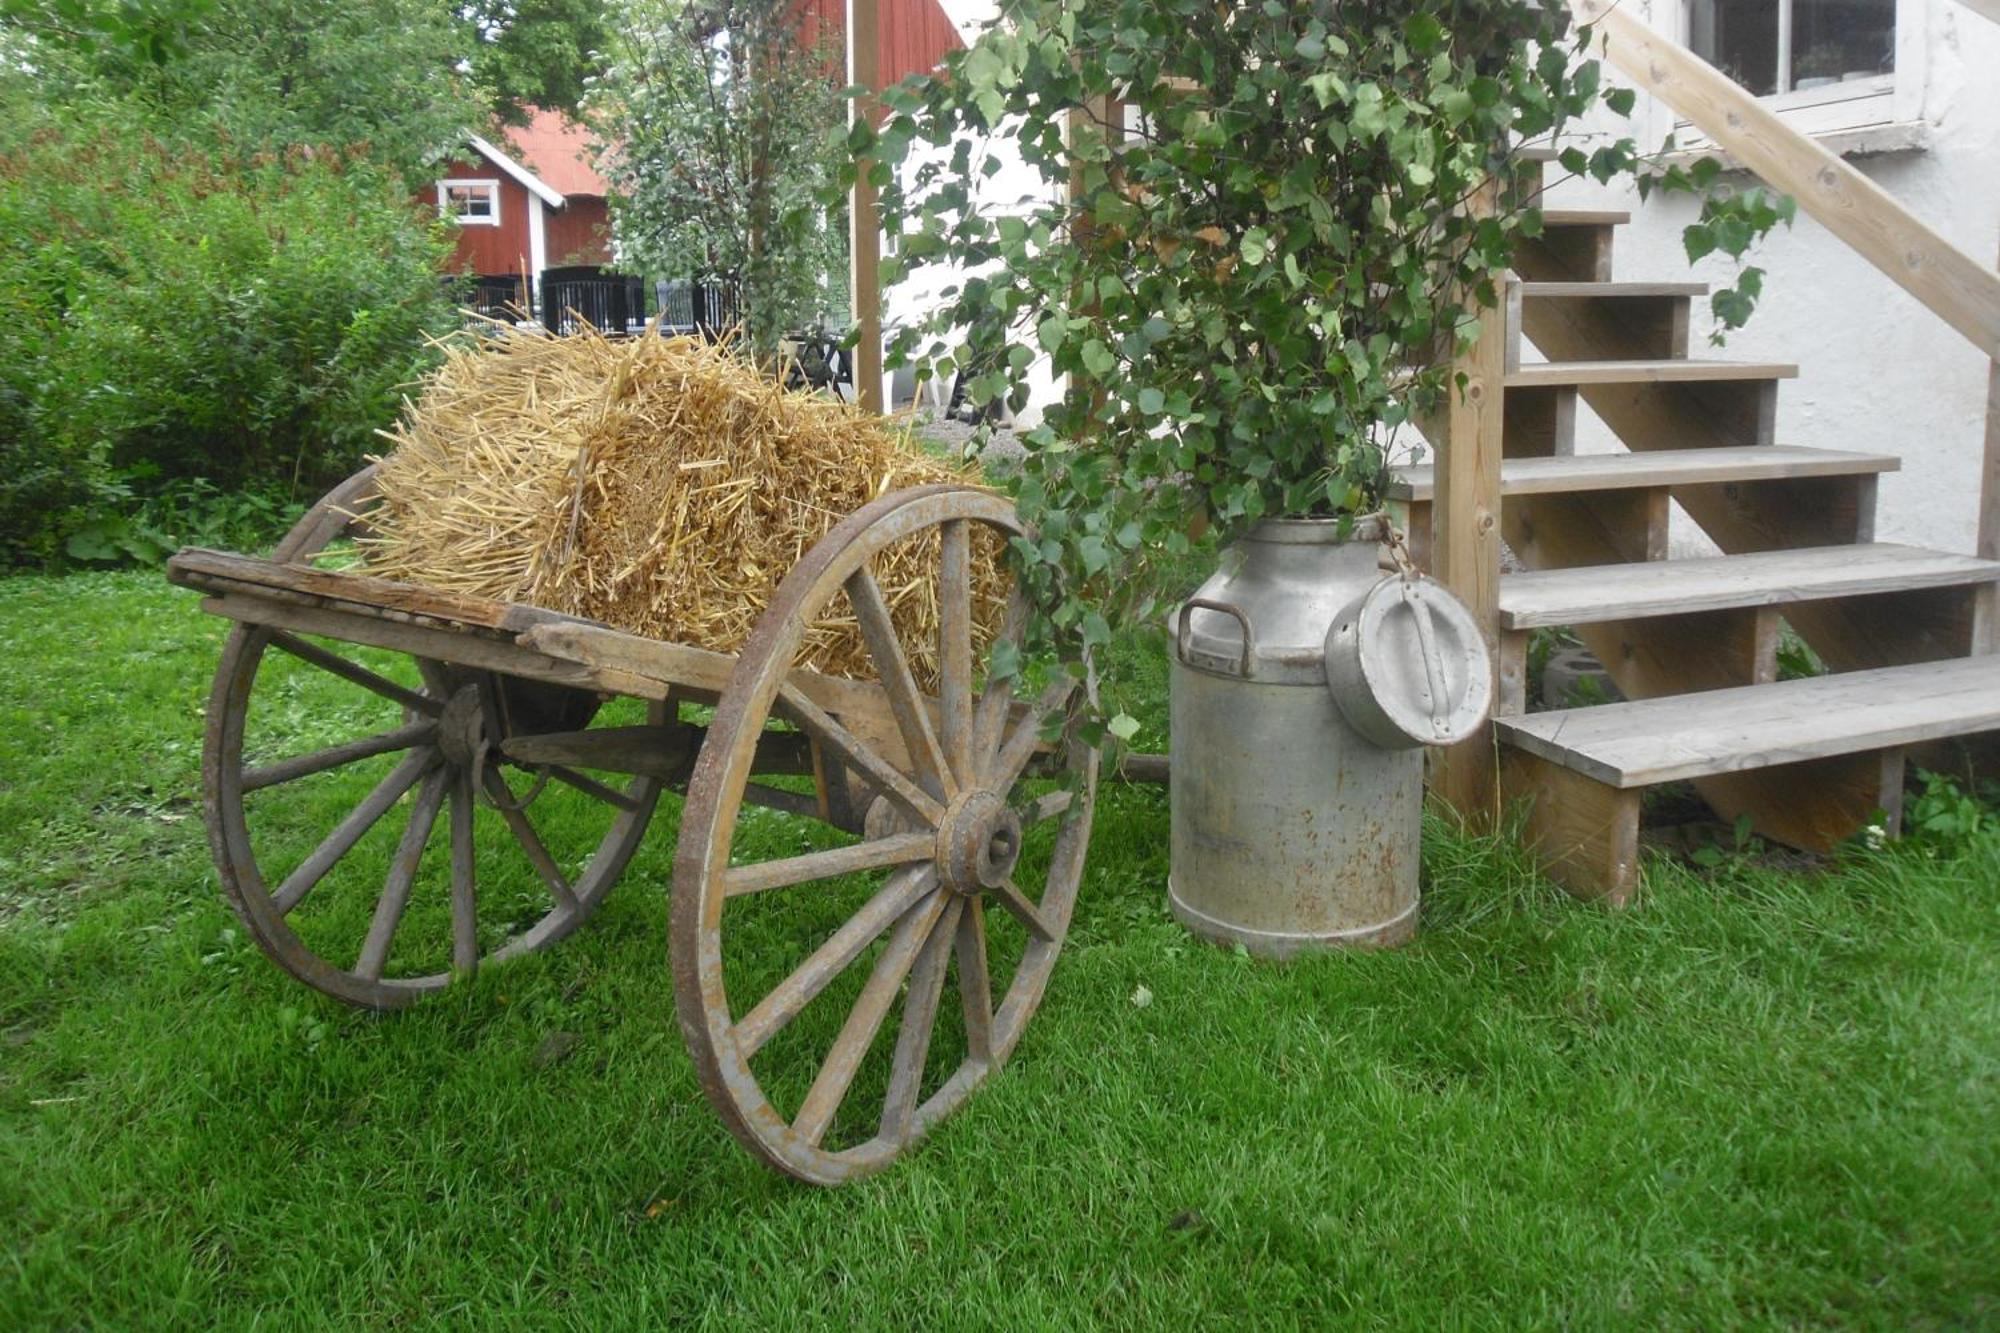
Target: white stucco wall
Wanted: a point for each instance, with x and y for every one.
(1013, 188)
(1877, 371)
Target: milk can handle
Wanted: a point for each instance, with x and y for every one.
(1235, 612)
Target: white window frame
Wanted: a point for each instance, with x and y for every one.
(1896, 97)
(490, 185)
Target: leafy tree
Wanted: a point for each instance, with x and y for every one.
(537, 53)
(218, 330)
(721, 110)
(384, 76)
(1262, 269)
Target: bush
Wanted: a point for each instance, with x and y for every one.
(172, 316)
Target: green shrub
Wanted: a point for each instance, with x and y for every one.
(171, 316)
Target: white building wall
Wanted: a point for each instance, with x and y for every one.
(1877, 371)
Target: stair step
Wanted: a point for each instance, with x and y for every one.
(1584, 217)
(1594, 594)
(1563, 374)
(1669, 739)
(1578, 290)
(1571, 473)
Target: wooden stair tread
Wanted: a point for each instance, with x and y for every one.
(1678, 370)
(1598, 289)
(1597, 593)
(1585, 217)
(1668, 739)
(1570, 473)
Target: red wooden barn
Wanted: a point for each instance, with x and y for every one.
(535, 200)
(531, 202)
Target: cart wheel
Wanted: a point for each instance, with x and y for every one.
(966, 871)
(314, 750)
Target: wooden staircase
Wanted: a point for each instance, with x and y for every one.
(1692, 643)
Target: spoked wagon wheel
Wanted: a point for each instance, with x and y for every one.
(788, 963)
(383, 823)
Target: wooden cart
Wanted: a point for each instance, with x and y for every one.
(541, 744)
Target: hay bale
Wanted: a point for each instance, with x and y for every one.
(659, 485)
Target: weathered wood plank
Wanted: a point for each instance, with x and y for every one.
(222, 571)
(1649, 741)
(695, 668)
(1575, 291)
(1660, 467)
(1676, 370)
(1766, 578)
(441, 644)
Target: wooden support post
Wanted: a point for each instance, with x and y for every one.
(1989, 473)
(1584, 834)
(1465, 530)
(864, 215)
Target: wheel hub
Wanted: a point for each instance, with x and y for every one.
(462, 726)
(978, 843)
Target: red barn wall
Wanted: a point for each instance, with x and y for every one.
(501, 249)
(579, 232)
(912, 35)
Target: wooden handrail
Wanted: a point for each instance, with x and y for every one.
(1950, 283)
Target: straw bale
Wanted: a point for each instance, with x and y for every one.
(659, 485)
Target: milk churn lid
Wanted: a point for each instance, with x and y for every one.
(1408, 666)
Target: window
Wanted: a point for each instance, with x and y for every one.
(470, 203)
(1835, 49)
(1830, 67)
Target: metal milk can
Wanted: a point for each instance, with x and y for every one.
(1304, 684)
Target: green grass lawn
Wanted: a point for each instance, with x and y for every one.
(1756, 1098)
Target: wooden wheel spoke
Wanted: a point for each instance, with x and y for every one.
(811, 977)
(895, 850)
(995, 700)
(591, 787)
(351, 829)
(395, 899)
(367, 747)
(356, 673)
(975, 986)
(1013, 757)
(1047, 807)
(886, 778)
(864, 1021)
(464, 891)
(913, 1038)
(1008, 894)
(955, 647)
(531, 843)
(906, 701)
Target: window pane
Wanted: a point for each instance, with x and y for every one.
(1740, 38)
(1834, 40)
(469, 201)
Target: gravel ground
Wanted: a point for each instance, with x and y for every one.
(1002, 450)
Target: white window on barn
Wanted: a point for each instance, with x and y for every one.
(470, 203)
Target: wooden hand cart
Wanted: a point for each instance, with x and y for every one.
(541, 743)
